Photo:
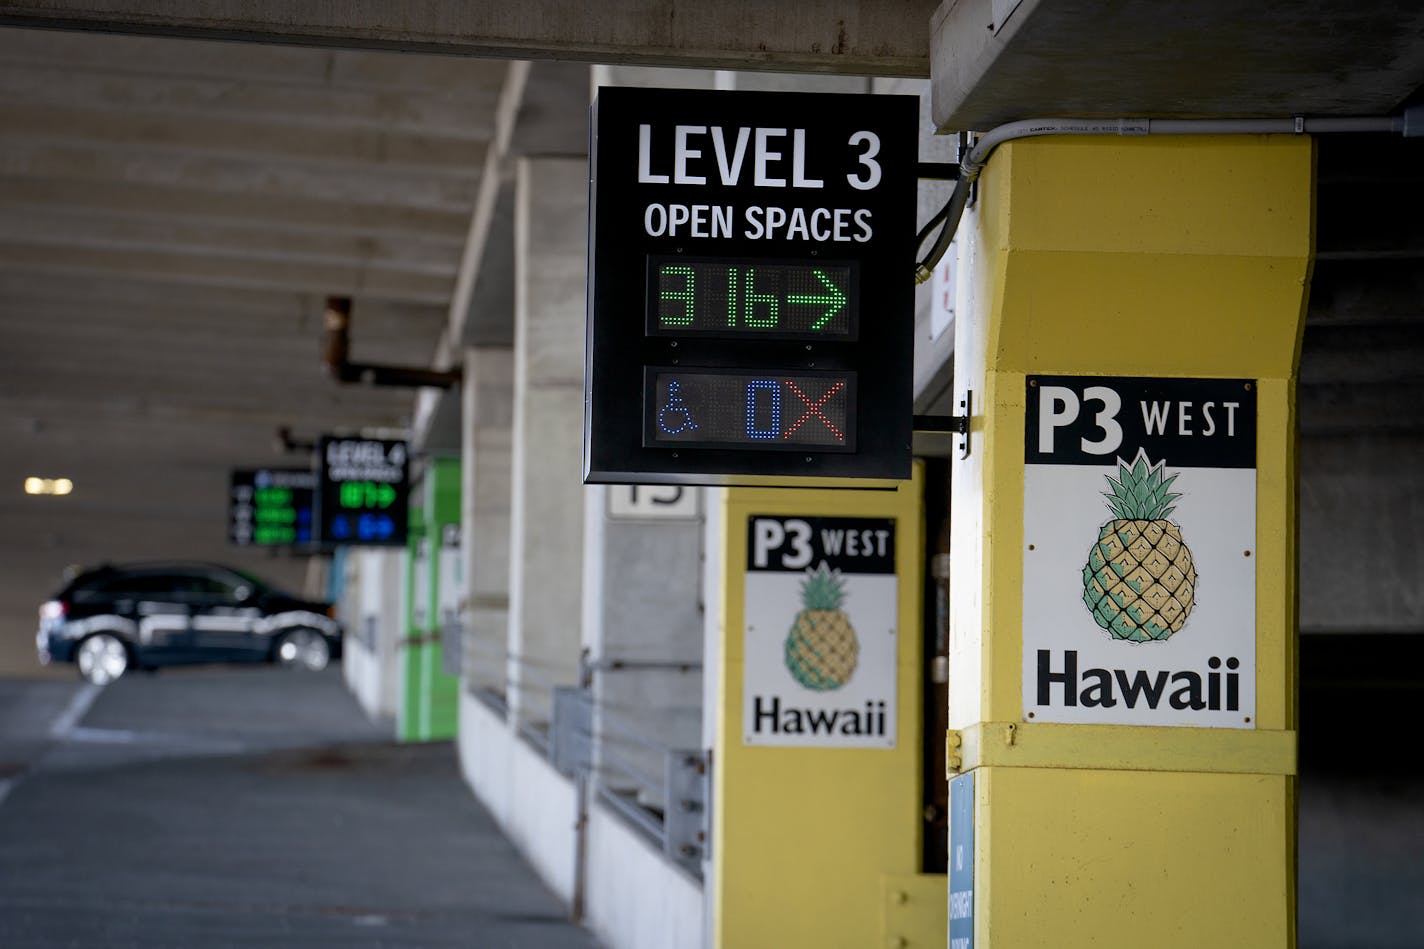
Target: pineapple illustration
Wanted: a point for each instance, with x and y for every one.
(821, 648)
(1139, 582)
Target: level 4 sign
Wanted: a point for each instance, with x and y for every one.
(1139, 584)
(363, 490)
(821, 635)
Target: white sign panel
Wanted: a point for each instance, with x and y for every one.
(450, 581)
(821, 641)
(943, 288)
(1139, 586)
(420, 581)
(652, 502)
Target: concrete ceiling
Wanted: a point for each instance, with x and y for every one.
(172, 215)
(996, 61)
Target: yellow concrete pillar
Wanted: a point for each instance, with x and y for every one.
(1125, 741)
(819, 750)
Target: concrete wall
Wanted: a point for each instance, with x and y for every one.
(1361, 582)
(534, 804)
(1362, 533)
(546, 502)
(371, 663)
(636, 900)
(488, 410)
(643, 632)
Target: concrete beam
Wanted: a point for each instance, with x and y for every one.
(860, 37)
(156, 412)
(251, 175)
(283, 66)
(191, 202)
(349, 278)
(260, 139)
(74, 229)
(106, 84)
(995, 61)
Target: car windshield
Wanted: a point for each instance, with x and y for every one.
(258, 584)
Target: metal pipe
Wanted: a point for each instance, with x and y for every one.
(336, 355)
(972, 165)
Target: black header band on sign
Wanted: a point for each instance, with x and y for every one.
(781, 544)
(1097, 420)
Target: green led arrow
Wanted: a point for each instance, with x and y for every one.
(834, 300)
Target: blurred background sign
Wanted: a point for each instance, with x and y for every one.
(363, 491)
(271, 506)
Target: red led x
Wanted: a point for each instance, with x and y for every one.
(813, 409)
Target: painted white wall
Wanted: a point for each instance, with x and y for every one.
(535, 805)
(376, 603)
(635, 898)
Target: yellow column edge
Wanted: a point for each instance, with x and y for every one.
(1121, 748)
(914, 911)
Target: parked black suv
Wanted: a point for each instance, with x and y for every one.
(114, 618)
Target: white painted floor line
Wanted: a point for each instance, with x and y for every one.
(60, 729)
(74, 711)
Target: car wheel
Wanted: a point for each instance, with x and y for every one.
(102, 658)
(303, 649)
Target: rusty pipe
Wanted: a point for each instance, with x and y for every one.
(336, 356)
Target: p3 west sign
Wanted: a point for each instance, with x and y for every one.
(750, 306)
(1139, 590)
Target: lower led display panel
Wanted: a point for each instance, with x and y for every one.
(773, 410)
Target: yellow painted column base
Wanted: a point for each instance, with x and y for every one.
(1099, 859)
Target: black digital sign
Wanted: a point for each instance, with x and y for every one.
(270, 507)
(364, 491)
(751, 298)
(768, 410)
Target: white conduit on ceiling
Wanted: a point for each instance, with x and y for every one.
(1411, 124)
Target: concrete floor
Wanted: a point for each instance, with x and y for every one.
(245, 806)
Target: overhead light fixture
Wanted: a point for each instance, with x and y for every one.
(55, 486)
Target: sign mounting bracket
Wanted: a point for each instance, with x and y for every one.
(958, 424)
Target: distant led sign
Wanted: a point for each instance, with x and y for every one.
(271, 507)
(765, 410)
(735, 297)
(364, 490)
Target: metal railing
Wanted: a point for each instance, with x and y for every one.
(619, 754)
(607, 749)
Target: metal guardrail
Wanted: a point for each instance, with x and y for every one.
(680, 828)
(607, 750)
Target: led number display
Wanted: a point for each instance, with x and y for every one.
(732, 297)
(776, 410)
(271, 507)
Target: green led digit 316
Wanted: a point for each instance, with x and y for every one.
(367, 495)
(732, 297)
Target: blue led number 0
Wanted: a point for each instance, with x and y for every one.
(774, 430)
